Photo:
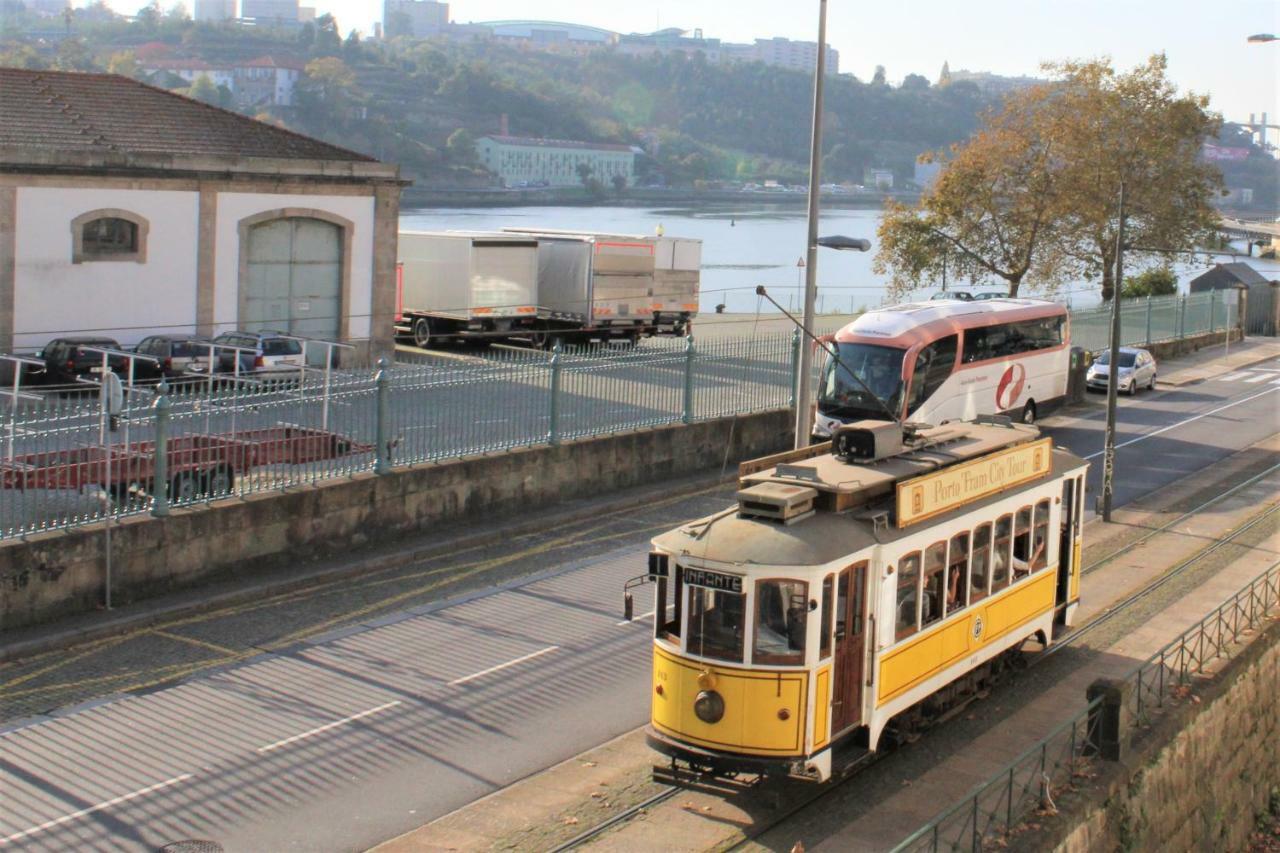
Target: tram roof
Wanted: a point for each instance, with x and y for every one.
(911, 322)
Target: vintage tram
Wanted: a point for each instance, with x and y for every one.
(859, 589)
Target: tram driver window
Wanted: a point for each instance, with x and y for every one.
(1000, 556)
(958, 573)
(1022, 543)
(716, 620)
(908, 594)
(824, 641)
(980, 564)
(781, 608)
(671, 628)
(935, 561)
(1040, 537)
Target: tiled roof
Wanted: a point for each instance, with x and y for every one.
(536, 142)
(107, 113)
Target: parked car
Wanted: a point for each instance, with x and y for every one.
(179, 355)
(270, 352)
(66, 359)
(991, 294)
(953, 295)
(1137, 370)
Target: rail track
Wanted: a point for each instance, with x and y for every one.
(869, 759)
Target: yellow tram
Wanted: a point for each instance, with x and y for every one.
(869, 585)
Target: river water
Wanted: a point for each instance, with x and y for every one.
(746, 246)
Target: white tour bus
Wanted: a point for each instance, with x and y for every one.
(934, 362)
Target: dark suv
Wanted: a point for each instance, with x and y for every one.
(66, 358)
(179, 355)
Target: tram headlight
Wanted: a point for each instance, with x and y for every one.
(709, 706)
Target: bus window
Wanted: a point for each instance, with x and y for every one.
(716, 621)
(908, 594)
(1040, 538)
(958, 572)
(781, 608)
(1000, 556)
(935, 561)
(1022, 543)
(824, 641)
(979, 566)
(934, 364)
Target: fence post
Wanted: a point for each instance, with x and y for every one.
(553, 430)
(1148, 321)
(1182, 318)
(160, 489)
(688, 379)
(1213, 310)
(382, 452)
(795, 367)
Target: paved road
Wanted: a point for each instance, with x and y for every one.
(335, 717)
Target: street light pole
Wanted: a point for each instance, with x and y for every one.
(1113, 381)
(804, 389)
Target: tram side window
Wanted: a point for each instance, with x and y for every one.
(1022, 557)
(980, 564)
(935, 562)
(781, 608)
(824, 643)
(716, 621)
(958, 572)
(671, 628)
(1040, 537)
(908, 594)
(1000, 556)
(842, 605)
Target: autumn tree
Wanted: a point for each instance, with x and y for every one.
(1031, 197)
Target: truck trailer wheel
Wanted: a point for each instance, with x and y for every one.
(422, 333)
(221, 481)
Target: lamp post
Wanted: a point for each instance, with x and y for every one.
(1113, 381)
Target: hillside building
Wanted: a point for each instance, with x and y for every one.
(782, 53)
(214, 10)
(671, 40)
(127, 210)
(522, 160)
(270, 12)
(416, 18)
(265, 81)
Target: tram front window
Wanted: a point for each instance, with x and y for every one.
(781, 607)
(879, 368)
(716, 621)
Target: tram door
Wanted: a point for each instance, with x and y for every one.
(1070, 528)
(846, 701)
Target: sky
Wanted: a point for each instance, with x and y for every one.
(1204, 42)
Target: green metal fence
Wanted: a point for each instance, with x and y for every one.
(1159, 318)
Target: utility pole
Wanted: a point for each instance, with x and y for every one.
(1113, 382)
(804, 389)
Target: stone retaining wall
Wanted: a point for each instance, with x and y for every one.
(53, 574)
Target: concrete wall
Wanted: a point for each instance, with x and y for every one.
(54, 574)
(1198, 780)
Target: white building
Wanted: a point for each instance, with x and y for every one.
(214, 10)
(523, 159)
(782, 53)
(126, 210)
(268, 12)
(264, 81)
(417, 18)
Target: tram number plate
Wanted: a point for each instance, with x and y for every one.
(713, 580)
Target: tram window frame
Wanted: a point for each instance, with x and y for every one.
(960, 570)
(826, 626)
(1001, 558)
(933, 575)
(671, 628)
(1040, 536)
(1021, 543)
(720, 598)
(842, 606)
(909, 583)
(796, 605)
(979, 589)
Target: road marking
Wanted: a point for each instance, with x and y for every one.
(1262, 377)
(141, 792)
(192, 641)
(326, 727)
(520, 659)
(1164, 429)
(637, 618)
(1232, 377)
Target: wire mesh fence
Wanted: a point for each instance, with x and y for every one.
(987, 817)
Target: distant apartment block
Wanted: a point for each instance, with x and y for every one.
(782, 53)
(991, 84)
(417, 18)
(267, 12)
(214, 10)
(265, 81)
(48, 8)
(671, 40)
(525, 160)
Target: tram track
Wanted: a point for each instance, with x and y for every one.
(870, 759)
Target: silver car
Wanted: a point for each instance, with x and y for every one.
(1137, 370)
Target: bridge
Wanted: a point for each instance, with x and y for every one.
(1254, 231)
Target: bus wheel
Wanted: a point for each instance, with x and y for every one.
(1029, 412)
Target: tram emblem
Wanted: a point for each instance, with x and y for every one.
(977, 627)
(917, 500)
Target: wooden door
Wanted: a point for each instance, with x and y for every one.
(846, 703)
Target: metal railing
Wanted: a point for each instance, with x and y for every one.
(986, 817)
(1156, 318)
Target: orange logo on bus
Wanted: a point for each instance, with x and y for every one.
(1010, 387)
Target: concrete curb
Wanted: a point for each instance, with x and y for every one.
(151, 611)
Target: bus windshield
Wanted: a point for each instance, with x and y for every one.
(879, 368)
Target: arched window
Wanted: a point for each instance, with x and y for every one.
(109, 235)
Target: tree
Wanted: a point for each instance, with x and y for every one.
(619, 183)
(149, 16)
(915, 83)
(1161, 281)
(125, 64)
(584, 173)
(203, 89)
(461, 146)
(878, 78)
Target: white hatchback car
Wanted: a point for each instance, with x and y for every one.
(1137, 370)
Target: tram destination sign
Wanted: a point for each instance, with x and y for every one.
(942, 491)
(713, 580)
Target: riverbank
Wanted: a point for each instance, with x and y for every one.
(414, 197)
